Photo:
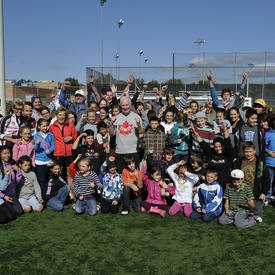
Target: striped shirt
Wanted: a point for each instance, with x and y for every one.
(207, 134)
(82, 184)
(236, 199)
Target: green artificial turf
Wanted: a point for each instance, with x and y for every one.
(66, 243)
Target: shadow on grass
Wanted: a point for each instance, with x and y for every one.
(66, 243)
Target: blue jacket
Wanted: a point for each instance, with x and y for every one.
(217, 103)
(270, 146)
(209, 197)
(46, 144)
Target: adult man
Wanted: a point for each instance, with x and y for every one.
(127, 128)
(78, 106)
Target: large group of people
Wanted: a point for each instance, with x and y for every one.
(117, 153)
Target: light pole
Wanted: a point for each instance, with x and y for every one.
(116, 57)
(140, 54)
(200, 41)
(145, 61)
(2, 63)
(120, 23)
(102, 2)
(192, 65)
(250, 65)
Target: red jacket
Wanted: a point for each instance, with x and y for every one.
(67, 129)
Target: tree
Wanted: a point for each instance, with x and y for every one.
(74, 85)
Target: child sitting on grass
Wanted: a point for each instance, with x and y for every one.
(112, 187)
(57, 188)
(183, 190)
(132, 185)
(29, 191)
(208, 199)
(155, 202)
(238, 198)
(85, 184)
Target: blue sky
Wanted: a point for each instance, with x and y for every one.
(55, 39)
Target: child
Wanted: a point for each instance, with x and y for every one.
(88, 149)
(57, 189)
(250, 131)
(112, 187)
(197, 166)
(238, 197)
(132, 182)
(270, 157)
(103, 137)
(155, 202)
(180, 134)
(25, 147)
(6, 213)
(44, 147)
(29, 191)
(164, 163)
(183, 191)
(204, 131)
(9, 194)
(155, 138)
(256, 175)
(208, 199)
(85, 184)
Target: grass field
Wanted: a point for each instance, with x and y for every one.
(66, 243)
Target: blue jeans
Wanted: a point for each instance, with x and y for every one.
(56, 203)
(270, 192)
(207, 217)
(88, 206)
(130, 198)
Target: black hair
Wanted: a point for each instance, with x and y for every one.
(89, 132)
(101, 124)
(24, 158)
(1, 163)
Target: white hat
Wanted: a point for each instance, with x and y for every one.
(246, 104)
(237, 174)
(79, 92)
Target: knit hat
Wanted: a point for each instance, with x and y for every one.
(200, 114)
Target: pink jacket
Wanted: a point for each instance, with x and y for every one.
(24, 149)
(154, 189)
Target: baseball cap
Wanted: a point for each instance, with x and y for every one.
(34, 97)
(200, 114)
(246, 105)
(260, 101)
(79, 92)
(237, 174)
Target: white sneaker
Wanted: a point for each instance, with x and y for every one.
(259, 219)
(124, 212)
(266, 203)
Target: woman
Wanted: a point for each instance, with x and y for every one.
(235, 119)
(221, 157)
(10, 124)
(64, 136)
(168, 122)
